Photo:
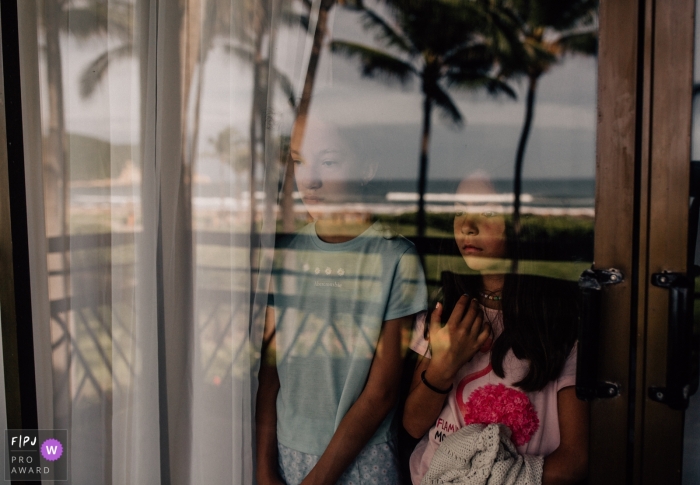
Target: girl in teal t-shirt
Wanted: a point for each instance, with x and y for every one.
(344, 292)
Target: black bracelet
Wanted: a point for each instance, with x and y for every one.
(432, 387)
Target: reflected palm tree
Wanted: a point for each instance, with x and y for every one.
(117, 21)
(302, 108)
(547, 30)
(232, 150)
(302, 112)
(245, 27)
(445, 45)
(229, 148)
(254, 19)
(81, 20)
(55, 169)
(246, 21)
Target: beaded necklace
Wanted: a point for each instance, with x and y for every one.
(490, 297)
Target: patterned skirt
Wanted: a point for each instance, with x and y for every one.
(375, 465)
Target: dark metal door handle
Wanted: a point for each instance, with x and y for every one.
(591, 284)
(680, 338)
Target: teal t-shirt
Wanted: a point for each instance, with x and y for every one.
(330, 301)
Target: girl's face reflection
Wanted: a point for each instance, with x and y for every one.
(480, 232)
(325, 169)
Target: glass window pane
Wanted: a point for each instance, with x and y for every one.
(283, 187)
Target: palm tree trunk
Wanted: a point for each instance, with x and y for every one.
(522, 145)
(204, 38)
(258, 125)
(302, 113)
(257, 108)
(55, 156)
(56, 150)
(56, 183)
(423, 164)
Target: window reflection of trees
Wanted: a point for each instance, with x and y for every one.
(472, 45)
(444, 45)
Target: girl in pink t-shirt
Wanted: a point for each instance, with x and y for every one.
(498, 326)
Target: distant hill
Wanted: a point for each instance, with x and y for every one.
(92, 158)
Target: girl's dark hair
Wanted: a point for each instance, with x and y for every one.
(540, 314)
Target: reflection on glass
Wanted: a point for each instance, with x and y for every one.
(198, 154)
(343, 291)
(444, 45)
(503, 344)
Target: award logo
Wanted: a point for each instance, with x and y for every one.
(36, 454)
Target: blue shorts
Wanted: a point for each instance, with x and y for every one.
(375, 465)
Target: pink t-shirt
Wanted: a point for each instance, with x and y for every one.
(478, 373)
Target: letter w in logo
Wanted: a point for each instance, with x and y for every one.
(51, 450)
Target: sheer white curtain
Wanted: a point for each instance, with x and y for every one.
(157, 129)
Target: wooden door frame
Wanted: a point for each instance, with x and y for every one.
(618, 157)
(642, 187)
(664, 218)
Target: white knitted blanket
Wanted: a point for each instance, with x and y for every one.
(478, 454)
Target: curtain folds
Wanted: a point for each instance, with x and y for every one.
(157, 133)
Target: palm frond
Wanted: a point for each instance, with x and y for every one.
(560, 14)
(375, 63)
(243, 53)
(97, 19)
(83, 22)
(446, 107)
(503, 36)
(470, 57)
(293, 19)
(352, 4)
(540, 53)
(246, 55)
(122, 20)
(95, 71)
(474, 80)
(286, 86)
(580, 43)
(385, 32)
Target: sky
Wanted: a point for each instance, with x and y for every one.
(385, 119)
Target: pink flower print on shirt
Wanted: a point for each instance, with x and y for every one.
(505, 405)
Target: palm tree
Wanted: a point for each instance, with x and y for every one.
(547, 31)
(302, 112)
(81, 20)
(252, 30)
(232, 150)
(258, 19)
(118, 21)
(445, 44)
(54, 157)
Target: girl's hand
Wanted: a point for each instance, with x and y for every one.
(458, 341)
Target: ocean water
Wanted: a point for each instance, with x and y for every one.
(546, 196)
(548, 192)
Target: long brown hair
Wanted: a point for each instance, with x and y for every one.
(540, 314)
